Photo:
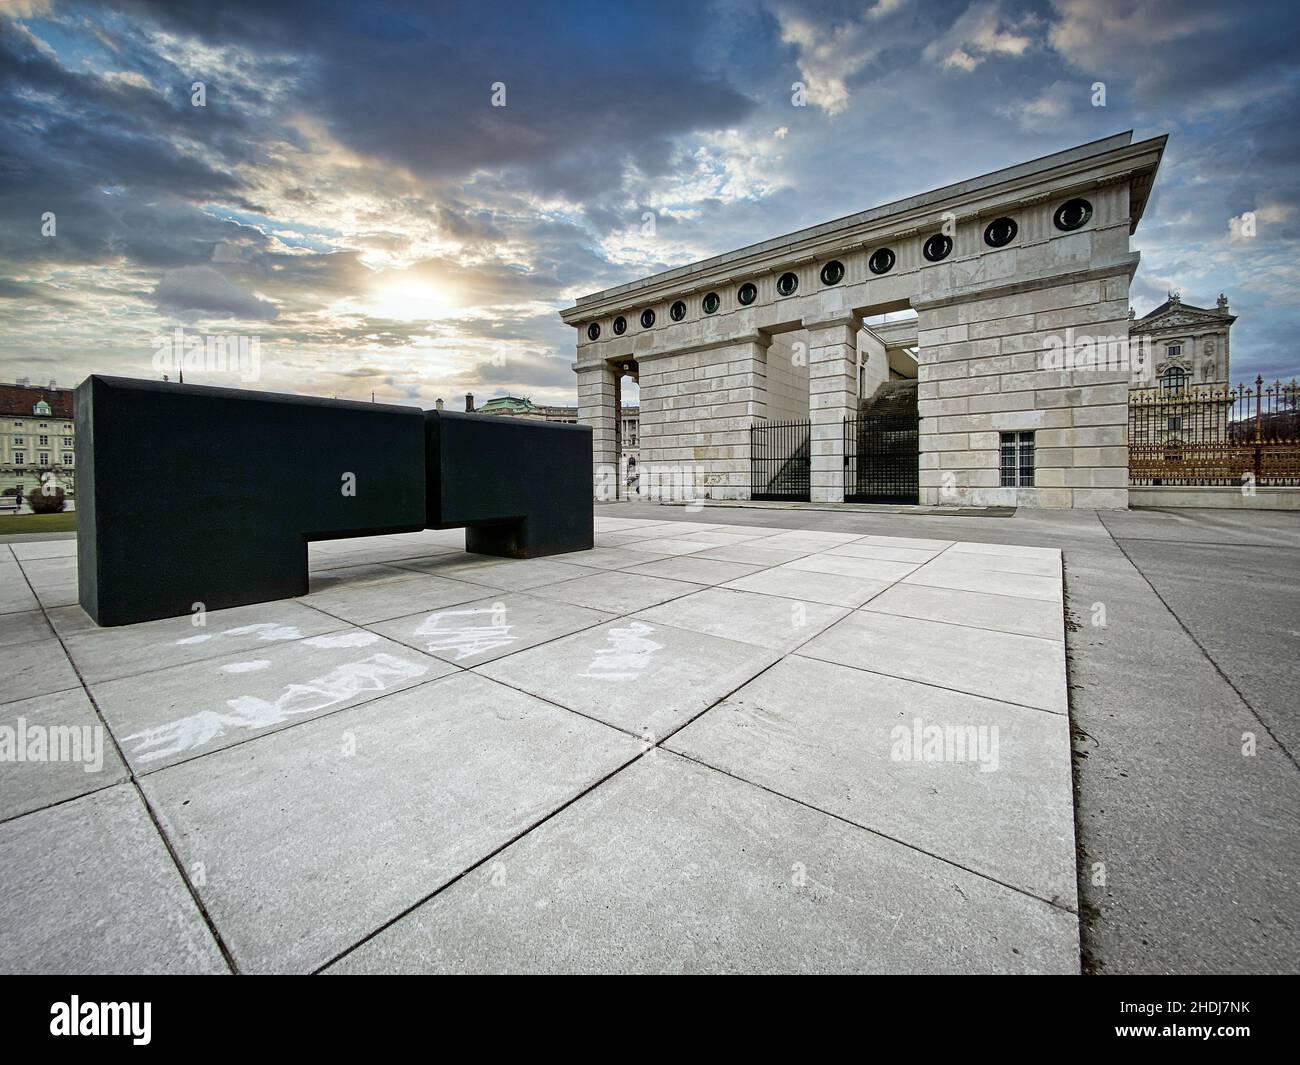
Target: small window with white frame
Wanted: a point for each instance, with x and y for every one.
(1017, 460)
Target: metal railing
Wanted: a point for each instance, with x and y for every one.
(780, 461)
(1205, 437)
(882, 459)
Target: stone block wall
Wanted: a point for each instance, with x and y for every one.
(787, 377)
(696, 411)
(987, 367)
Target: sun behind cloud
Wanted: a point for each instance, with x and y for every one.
(409, 299)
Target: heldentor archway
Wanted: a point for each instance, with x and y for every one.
(998, 269)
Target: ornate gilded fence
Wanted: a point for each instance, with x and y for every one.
(1190, 436)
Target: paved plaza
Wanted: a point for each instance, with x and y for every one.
(719, 741)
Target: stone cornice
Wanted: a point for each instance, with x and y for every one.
(756, 337)
(1113, 159)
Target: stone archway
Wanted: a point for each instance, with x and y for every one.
(998, 268)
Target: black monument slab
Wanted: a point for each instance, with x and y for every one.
(522, 487)
(189, 494)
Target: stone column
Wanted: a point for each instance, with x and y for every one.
(832, 397)
(597, 407)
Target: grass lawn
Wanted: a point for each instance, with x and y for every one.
(38, 523)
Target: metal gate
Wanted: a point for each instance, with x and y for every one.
(882, 458)
(779, 461)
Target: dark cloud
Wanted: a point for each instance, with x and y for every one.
(33, 293)
(202, 291)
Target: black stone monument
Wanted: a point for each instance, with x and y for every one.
(188, 494)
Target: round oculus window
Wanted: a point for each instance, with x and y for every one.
(881, 261)
(1000, 232)
(833, 272)
(647, 318)
(1072, 214)
(787, 283)
(620, 325)
(711, 303)
(937, 248)
(748, 293)
(593, 331)
(677, 311)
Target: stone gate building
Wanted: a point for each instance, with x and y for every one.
(966, 298)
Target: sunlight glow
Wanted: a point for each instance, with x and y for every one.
(410, 300)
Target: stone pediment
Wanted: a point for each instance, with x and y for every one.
(1181, 315)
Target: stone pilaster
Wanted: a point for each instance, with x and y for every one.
(832, 397)
(597, 407)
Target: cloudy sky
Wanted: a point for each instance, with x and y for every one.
(349, 195)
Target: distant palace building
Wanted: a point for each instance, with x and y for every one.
(36, 438)
(1189, 346)
(523, 407)
(1181, 380)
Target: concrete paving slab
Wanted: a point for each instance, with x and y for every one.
(364, 604)
(671, 545)
(685, 527)
(614, 558)
(1041, 565)
(177, 713)
(834, 589)
(695, 569)
(912, 543)
(1002, 613)
(27, 626)
(363, 554)
(999, 665)
(645, 679)
(518, 575)
(763, 620)
(53, 748)
(452, 539)
(322, 580)
(724, 536)
(15, 595)
(670, 867)
(315, 837)
(1007, 550)
(88, 888)
(70, 620)
(616, 592)
(36, 668)
(606, 541)
(825, 536)
(979, 579)
(875, 569)
(128, 650)
(54, 580)
(1164, 788)
(753, 553)
(605, 524)
(485, 629)
(453, 564)
(44, 549)
(889, 554)
(980, 783)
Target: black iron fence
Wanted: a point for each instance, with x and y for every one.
(779, 461)
(1202, 436)
(882, 458)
